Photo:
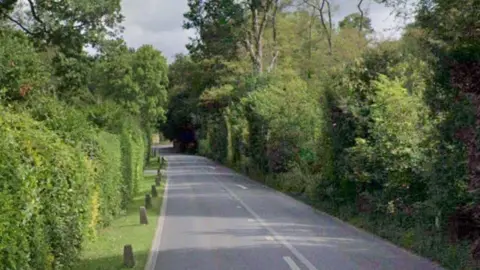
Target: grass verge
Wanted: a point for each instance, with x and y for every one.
(106, 252)
(154, 163)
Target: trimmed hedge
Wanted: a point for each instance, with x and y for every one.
(133, 152)
(44, 199)
(109, 177)
(62, 179)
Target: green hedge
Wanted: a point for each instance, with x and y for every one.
(133, 152)
(62, 179)
(109, 177)
(44, 199)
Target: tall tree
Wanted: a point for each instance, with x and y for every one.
(70, 25)
(357, 21)
(225, 25)
(218, 24)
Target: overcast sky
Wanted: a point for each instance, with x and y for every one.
(159, 22)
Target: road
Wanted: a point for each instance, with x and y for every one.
(215, 218)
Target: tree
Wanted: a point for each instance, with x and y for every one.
(357, 21)
(70, 25)
(224, 25)
(150, 72)
(218, 24)
(136, 79)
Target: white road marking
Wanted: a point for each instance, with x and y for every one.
(152, 256)
(281, 239)
(238, 206)
(242, 187)
(251, 220)
(269, 238)
(291, 263)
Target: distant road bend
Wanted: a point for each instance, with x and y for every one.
(217, 219)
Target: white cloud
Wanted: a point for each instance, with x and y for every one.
(159, 22)
(156, 22)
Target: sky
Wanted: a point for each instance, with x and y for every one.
(159, 22)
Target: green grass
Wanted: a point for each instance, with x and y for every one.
(106, 252)
(153, 163)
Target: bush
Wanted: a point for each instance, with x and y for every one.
(45, 195)
(21, 68)
(132, 146)
(109, 176)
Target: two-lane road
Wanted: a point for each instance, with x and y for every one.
(217, 219)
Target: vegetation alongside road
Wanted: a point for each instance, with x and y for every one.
(75, 129)
(106, 251)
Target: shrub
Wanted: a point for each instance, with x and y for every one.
(133, 151)
(109, 176)
(44, 199)
(21, 68)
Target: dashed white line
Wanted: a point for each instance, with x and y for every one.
(291, 263)
(242, 187)
(279, 238)
(238, 206)
(269, 238)
(251, 220)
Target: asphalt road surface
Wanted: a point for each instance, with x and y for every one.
(215, 218)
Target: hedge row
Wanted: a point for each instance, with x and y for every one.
(61, 178)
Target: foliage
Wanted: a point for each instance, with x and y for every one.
(103, 253)
(22, 70)
(45, 196)
(69, 25)
(356, 21)
(219, 24)
(73, 148)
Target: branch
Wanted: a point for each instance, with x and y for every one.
(274, 33)
(249, 46)
(254, 11)
(264, 19)
(274, 60)
(329, 16)
(18, 24)
(274, 22)
(359, 6)
(322, 20)
(35, 15)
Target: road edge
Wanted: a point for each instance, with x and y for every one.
(152, 256)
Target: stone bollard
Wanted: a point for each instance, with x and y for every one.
(148, 201)
(128, 258)
(164, 161)
(143, 216)
(158, 179)
(154, 191)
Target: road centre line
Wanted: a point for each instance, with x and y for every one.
(291, 263)
(281, 239)
(242, 187)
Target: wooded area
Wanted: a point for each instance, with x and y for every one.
(382, 133)
(74, 127)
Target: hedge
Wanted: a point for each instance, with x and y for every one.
(44, 199)
(109, 177)
(133, 152)
(62, 179)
